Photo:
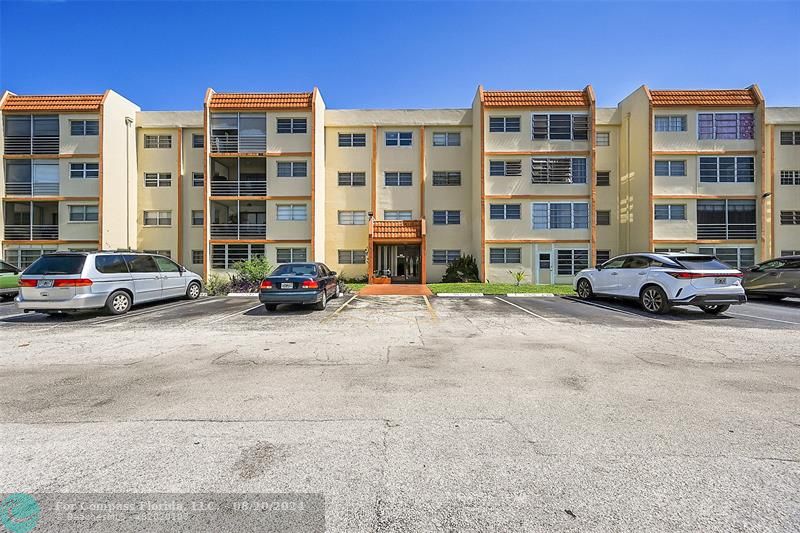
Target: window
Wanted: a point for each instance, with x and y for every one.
(352, 140)
(725, 125)
(670, 168)
(24, 257)
(545, 261)
(790, 177)
(164, 264)
(603, 178)
(505, 255)
(563, 127)
(79, 171)
(84, 127)
(505, 168)
(603, 218)
(505, 211)
(397, 179)
(446, 217)
(665, 250)
(197, 217)
(226, 255)
(670, 212)
(83, 213)
(445, 257)
(197, 179)
(158, 218)
(396, 215)
(158, 141)
(352, 179)
(197, 140)
(601, 256)
(726, 219)
(398, 138)
(558, 170)
(560, 215)
(570, 262)
(790, 218)
(790, 137)
(111, 264)
(450, 178)
(727, 169)
(448, 138)
(670, 122)
(734, 257)
(504, 124)
(292, 169)
(142, 263)
(197, 257)
(603, 138)
(292, 125)
(352, 257)
(292, 212)
(352, 218)
(790, 252)
(157, 179)
(290, 255)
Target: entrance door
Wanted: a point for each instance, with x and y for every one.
(408, 264)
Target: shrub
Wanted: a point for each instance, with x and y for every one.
(518, 276)
(462, 270)
(252, 271)
(218, 285)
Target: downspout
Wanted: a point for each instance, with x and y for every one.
(128, 123)
(628, 187)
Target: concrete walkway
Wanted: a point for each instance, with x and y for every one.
(395, 290)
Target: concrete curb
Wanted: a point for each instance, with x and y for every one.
(243, 294)
(511, 295)
(531, 295)
(460, 294)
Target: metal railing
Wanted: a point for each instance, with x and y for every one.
(238, 188)
(237, 144)
(238, 231)
(47, 188)
(28, 232)
(726, 231)
(31, 145)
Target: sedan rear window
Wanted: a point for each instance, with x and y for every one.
(295, 270)
(56, 264)
(703, 262)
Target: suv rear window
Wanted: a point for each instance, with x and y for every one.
(703, 262)
(56, 264)
(110, 264)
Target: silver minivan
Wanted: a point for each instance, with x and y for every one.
(114, 281)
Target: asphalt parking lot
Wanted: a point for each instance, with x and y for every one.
(409, 414)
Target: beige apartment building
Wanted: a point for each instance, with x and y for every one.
(542, 182)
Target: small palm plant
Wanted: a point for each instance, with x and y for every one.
(518, 276)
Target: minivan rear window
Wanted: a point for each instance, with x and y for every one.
(110, 264)
(703, 262)
(56, 264)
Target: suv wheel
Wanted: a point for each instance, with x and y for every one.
(118, 303)
(714, 309)
(193, 291)
(654, 300)
(320, 306)
(584, 289)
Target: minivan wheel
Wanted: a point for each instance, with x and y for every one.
(714, 309)
(654, 300)
(193, 291)
(118, 303)
(584, 289)
(320, 305)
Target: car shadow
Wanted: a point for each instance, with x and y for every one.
(283, 310)
(791, 303)
(82, 316)
(632, 307)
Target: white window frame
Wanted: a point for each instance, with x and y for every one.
(398, 214)
(738, 124)
(351, 137)
(202, 138)
(714, 250)
(684, 121)
(300, 252)
(84, 123)
(505, 211)
(195, 176)
(294, 166)
(670, 209)
(84, 209)
(202, 216)
(448, 176)
(350, 256)
(454, 214)
(516, 162)
(158, 179)
(602, 134)
(160, 214)
(83, 171)
(348, 217)
(572, 160)
(735, 168)
(572, 117)
(398, 144)
(572, 215)
(296, 212)
(505, 119)
(294, 125)
(397, 174)
(505, 260)
(574, 268)
(350, 178)
(156, 142)
(448, 135)
(789, 177)
(449, 256)
(670, 173)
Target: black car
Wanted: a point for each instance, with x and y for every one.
(299, 283)
(775, 279)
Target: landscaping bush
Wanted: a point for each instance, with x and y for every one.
(248, 274)
(462, 270)
(218, 285)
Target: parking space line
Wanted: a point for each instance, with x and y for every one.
(601, 306)
(135, 314)
(525, 310)
(339, 309)
(764, 318)
(430, 308)
(223, 317)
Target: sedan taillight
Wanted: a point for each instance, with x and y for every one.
(83, 282)
(266, 284)
(27, 283)
(310, 284)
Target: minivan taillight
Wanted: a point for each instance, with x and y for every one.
(266, 284)
(310, 284)
(83, 282)
(27, 283)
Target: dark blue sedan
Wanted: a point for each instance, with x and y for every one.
(299, 283)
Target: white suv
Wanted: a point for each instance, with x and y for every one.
(661, 281)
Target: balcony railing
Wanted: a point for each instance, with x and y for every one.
(32, 189)
(31, 145)
(726, 231)
(238, 231)
(31, 233)
(237, 144)
(238, 188)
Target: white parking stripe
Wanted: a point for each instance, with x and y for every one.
(524, 310)
(618, 310)
(223, 317)
(147, 311)
(763, 318)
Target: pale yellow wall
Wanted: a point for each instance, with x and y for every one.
(287, 229)
(676, 229)
(398, 159)
(288, 142)
(192, 199)
(498, 142)
(319, 229)
(75, 231)
(523, 228)
(287, 186)
(785, 197)
(523, 184)
(152, 160)
(690, 184)
(79, 144)
(608, 197)
(687, 140)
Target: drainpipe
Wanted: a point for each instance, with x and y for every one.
(628, 187)
(128, 123)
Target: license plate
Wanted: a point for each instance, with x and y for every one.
(287, 285)
(720, 281)
(44, 283)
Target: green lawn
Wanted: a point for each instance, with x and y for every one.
(498, 288)
(355, 287)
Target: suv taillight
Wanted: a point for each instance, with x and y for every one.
(266, 284)
(310, 284)
(695, 275)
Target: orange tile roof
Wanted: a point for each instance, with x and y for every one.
(396, 229)
(53, 102)
(723, 97)
(535, 99)
(260, 101)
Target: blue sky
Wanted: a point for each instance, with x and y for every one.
(163, 55)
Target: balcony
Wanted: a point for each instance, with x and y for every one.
(25, 177)
(238, 133)
(238, 144)
(31, 145)
(242, 176)
(238, 231)
(240, 220)
(31, 221)
(31, 134)
(726, 231)
(39, 232)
